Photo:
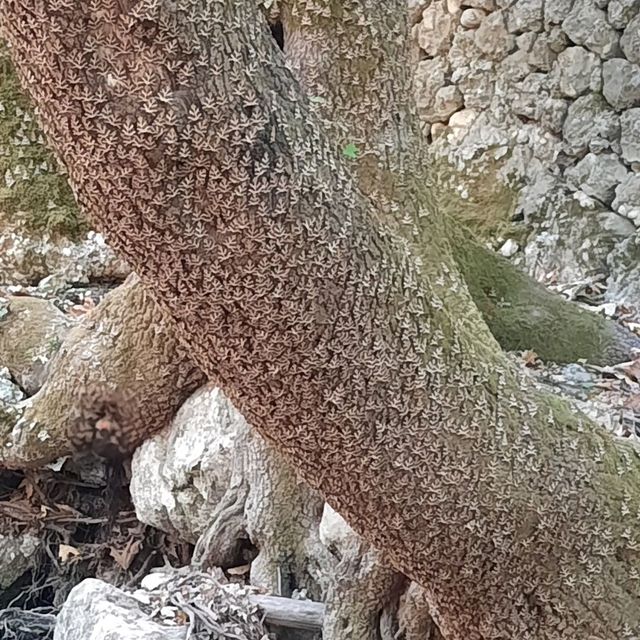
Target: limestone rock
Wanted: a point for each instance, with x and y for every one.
(578, 71)
(10, 392)
(621, 12)
(623, 285)
(621, 83)
(179, 476)
(436, 29)
(525, 15)
(573, 241)
(492, 37)
(543, 52)
(27, 257)
(630, 41)
(555, 12)
(477, 87)
(447, 101)
(627, 200)
(334, 531)
(590, 121)
(17, 555)
(430, 78)
(485, 5)
(598, 176)
(587, 25)
(471, 18)
(96, 610)
(30, 333)
(630, 135)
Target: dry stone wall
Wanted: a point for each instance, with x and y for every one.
(551, 91)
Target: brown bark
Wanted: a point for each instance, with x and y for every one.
(381, 386)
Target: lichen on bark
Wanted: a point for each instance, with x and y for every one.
(382, 387)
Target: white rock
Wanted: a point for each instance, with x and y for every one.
(471, 18)
(509, 248)
(153, 581)
(334, 531)
(96, 610)
(492, 37)
(578, 71)
(179, 475)
(621, 12)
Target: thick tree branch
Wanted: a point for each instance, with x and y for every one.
(187, 140)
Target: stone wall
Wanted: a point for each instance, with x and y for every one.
(551, 90)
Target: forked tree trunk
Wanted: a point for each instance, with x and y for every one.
(188, 141)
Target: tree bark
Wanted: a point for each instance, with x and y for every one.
(188, 141)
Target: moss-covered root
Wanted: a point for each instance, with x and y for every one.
(125, 348)
(523, 314)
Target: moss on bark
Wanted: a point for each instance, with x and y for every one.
(523, 314)
(32, 187)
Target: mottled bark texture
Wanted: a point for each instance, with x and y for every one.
(188, 141)
(118, 350)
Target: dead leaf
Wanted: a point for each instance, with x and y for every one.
(124, 557)
(66, 552)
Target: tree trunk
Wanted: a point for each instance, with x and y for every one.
(190, 144)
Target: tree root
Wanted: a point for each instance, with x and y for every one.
(125, 346)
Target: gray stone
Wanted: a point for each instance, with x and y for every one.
(17, 555)
(573, 242)
(10, 392)
(96, 610)
(555, 12)
(476, 86)
(557, 39)
(630, 41)
(179, 476)
(623, 285)
(486, 5)
(542, 56)
(597, 176)
(587, 25)
(471, 18)
(436, 30)
(527, 96)
(492, 37)
(627, 202)
(448, 100)
(621, 85)
(578, 71)
(552, 114)
(620, 12)
(515, 67)
(525, 41)
(429, 79)
(464, 52)
(630, 135)
(590, 120)
(525, 15)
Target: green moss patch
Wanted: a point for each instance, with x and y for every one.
(33, 188)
